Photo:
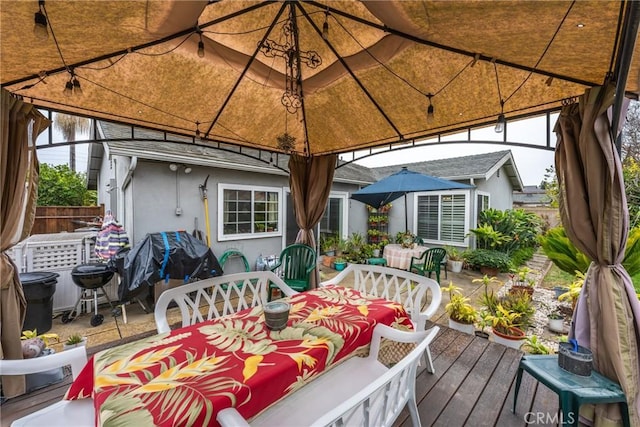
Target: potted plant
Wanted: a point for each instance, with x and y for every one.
(555, 321)
(339, 263)
(462, 315)
(522, 280)
(574, 290)
(490, 262)
(406, 238)
(533, 345)
(483, 322)
(328, 245)
(74, 340)
(454, 259)
(34, 344)
(505, 327)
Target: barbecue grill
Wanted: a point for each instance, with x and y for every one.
(91, 278)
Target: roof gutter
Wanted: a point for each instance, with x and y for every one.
(129, 175)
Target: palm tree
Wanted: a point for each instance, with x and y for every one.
(70, 125)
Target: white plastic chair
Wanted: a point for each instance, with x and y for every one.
(409, 289)
(221, 296)
(63, 413)
(358, 392)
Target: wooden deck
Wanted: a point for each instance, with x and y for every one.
(472, 386)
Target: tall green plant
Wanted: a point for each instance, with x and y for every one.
(557, 246)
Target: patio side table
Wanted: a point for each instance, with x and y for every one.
(572, 390)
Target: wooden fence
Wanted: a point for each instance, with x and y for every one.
(54, 219)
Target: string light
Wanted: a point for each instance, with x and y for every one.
(325, 26)
(77, 89)
(68, 88)
(430, 109)
(200, 45)
(40, 25)
(502, 121)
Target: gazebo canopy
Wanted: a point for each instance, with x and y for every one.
(368, 82)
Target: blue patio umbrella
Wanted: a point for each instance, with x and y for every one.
(399, 184)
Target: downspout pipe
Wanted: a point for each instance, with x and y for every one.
(129, 175)
(623, 63)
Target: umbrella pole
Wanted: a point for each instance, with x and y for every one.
(406, 214)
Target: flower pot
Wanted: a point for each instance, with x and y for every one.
(556, 325)
(467, 328)
(515, 339)
(339, 266)
(521, 288)
(327, 261)
(559, 290)
(578, 362)
(489, 271)
(482, 334)
(83, 343)
(455, 266)
(376, 253)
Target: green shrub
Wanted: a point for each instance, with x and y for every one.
(521, 256)
(488, 258)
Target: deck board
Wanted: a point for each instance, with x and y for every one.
(472, 386)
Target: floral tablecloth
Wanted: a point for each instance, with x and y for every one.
(186, 376)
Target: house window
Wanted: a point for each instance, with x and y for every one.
(248, 211)
(482, 204)
(442, 217)
(333, 222)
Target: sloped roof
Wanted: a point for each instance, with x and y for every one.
(367, 83)
(477, 166)
(117, 138)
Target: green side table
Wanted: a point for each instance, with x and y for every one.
(572, 390)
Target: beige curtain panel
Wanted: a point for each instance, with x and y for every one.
(593, 208)
(21, 124)
(310, 181)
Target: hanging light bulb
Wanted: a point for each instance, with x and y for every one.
(68, 88)
(77, 89)
(40, 25)
(201, 49)
(200, 46)
(502, 121)
(325, 26)
(430, 109)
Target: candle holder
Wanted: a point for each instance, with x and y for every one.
(276, 314)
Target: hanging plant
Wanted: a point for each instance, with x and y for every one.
(286, 142)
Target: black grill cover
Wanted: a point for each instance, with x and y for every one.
(163, 256)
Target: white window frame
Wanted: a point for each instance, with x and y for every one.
(252, 188)
(467, 198)
(345, 210)
(478, 210)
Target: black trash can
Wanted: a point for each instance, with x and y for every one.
(38, 288)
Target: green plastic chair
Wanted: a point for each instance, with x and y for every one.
(429, 262)
(295, 265)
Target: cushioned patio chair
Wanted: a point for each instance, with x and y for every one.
(429, 262)
(294, 266)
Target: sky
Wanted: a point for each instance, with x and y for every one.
(531, 163)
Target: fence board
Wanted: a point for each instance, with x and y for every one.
(55, 219)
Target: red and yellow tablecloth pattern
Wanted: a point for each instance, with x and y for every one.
(184, 377)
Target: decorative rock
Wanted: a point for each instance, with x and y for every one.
(32, 347)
